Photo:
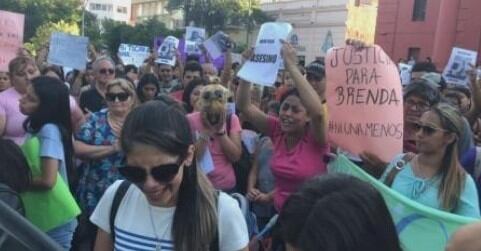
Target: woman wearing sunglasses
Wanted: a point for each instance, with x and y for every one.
(171, 204)
(97, 145)
(298, 135)
(434, 177)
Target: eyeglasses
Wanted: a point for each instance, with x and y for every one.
(418, 106)
(217, 94)
(121, 96)
(428, 130)
(105, 71)
(162, 173)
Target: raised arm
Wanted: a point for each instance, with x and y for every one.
(226, 72)
(309, 96)
(253, 114)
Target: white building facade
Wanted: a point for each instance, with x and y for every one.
(118, 10)
(318, 24)
(144, 9)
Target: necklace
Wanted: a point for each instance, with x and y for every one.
(158, 246)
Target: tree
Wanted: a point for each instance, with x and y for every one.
(38, 13)
(143, 33)
(43, 33)
(215, 15)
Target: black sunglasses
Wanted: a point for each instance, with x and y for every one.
(428, 130)
(104, 71)
(121, 96)
(162, 173)
(217, 94)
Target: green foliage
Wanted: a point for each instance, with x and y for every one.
(215, 15)
(43, 33)
(143, 33)
(40, 12)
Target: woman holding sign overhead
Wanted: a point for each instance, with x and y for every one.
(298, 135)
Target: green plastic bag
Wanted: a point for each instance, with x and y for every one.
(46, 209)
(420, 228)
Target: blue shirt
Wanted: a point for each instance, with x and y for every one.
(425, 191)
(51, 146)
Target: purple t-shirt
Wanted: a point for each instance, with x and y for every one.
(10, 110)
(291, 168)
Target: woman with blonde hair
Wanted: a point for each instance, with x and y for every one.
(98, 147)
(434, 177)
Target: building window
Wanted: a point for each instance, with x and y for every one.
(413, 53)
(419, 10)
(121, 9)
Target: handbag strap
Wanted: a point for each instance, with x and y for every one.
(118, 197)
(398, 166)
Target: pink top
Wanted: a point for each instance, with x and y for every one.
(223, 176)
(292, 167)
(10, 110)
(177, 95)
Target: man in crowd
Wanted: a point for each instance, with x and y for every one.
(104, 71)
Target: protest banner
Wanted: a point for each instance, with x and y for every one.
(167, 51)
(458, 64)
(217, 44)
(133, 54)
(364, 99)
(264, 64)
(68, 50)
(419, 227)
(405, 73)
(11, 36)
(194, 37)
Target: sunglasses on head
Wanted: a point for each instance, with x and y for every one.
(121, 96)
(105, 71)
(162, 173)
(428, 130)
(217, 94)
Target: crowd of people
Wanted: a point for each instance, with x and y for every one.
(153, 154)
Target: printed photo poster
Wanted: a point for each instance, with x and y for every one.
(11, 36)
(405, 73)
(68, 50)
(167, 51)
(217, 44)
(458, 64)
(133, 54)
(364, 98)
(264, 64)
(194, 37)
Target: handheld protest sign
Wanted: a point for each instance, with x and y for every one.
(167, 51)
(133, 54)
(68, 50)
(217, 44)
(458, 65)
(194, 37)
(264, 64)
(11, 36)
(364, 99)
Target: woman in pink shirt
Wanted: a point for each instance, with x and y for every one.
(21, 71)
(298, 135)
(218, 134)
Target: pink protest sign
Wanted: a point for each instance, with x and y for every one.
(364, 99)
(11, 36)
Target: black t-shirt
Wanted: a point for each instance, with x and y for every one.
(92, 101)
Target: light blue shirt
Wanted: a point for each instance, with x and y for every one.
(51, 146)
(425, 191)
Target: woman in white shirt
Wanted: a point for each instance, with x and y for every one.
(172, 205)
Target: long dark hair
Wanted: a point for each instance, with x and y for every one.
(54, 108)
(14, 169)
(188, 91)
(146, 79)
(337, 212)
(164, 126)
